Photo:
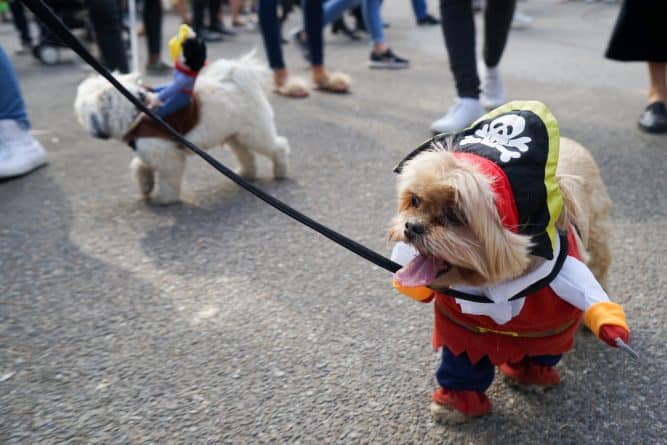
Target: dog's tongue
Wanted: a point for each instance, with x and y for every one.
(421, 271)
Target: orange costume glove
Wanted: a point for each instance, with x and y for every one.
(607, 321)
(419, 293)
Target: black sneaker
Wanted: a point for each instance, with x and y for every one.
(209, 36)
(654, 118)
(387, 60)
(428, 20)
(220, 29)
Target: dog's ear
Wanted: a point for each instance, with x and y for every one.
(570, 187)
(507, 254)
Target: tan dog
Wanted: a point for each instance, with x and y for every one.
(504, 226)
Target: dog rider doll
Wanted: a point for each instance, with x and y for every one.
(189, 55)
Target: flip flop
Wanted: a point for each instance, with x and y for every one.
(293, 87)
(338, 83)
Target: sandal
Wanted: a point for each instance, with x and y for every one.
(337, 82)
(292, 87)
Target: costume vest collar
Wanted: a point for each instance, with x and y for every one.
(178, 66)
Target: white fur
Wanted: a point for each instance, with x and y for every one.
(234, 111)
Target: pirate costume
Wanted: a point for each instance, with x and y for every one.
(525, 324)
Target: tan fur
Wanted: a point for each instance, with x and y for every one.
(480, 250)
(587, 204)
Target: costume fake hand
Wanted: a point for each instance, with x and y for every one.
(153, 100)
(607, 321)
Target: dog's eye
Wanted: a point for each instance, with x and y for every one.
(415, 201)
(453, 216)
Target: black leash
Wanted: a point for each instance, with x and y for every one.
(54, 23)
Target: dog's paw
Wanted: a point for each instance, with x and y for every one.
(163, 199)
(279, 169)
(249, 174)
(144, 177)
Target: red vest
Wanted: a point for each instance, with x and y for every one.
(542, 311)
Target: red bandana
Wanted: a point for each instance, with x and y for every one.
(501, 188)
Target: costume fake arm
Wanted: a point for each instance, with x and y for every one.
(403, 253)
(576, 284)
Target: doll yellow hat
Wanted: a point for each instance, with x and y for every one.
(176, 42)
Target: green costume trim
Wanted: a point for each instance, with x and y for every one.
(554, 197)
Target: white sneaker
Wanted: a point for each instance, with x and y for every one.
(492, 93)
(521, 20)
(20, 153)
(464, 112)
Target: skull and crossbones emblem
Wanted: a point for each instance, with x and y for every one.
(501, 134)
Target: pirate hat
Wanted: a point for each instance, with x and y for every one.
(517, 145)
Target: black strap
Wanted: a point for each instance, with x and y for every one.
(56, 26)
(47, 17)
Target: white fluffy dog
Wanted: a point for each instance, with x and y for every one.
(234, 111)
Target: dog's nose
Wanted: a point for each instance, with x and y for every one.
(413, 229)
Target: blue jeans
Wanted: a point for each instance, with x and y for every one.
(370, 10)
(335, 8)
(173, 104)
(11, 101)
(419, 8)
(459, 374)
(270, 27)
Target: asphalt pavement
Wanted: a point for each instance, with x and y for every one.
(220, 320)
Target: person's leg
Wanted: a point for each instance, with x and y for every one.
(658, 77)
(11, 102)
(333, 9)
(152, 17)
(419, 9)
(371, 12)
(458, 28)
(106, 21)
(381, 55)
(20, 152)
(654, 117)
(235, 9)
(20, 22)
(214, 7)
(269, 26)
(313, 16)
(217, 19)
(198, 8)
(497, 20)
(182, 9)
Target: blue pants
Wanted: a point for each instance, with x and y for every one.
(419, 8)
(173, 104)
(459, 374)
(370, 10)
(270, 27)
(11, 101)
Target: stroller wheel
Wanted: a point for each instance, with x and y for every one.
(49, 55)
